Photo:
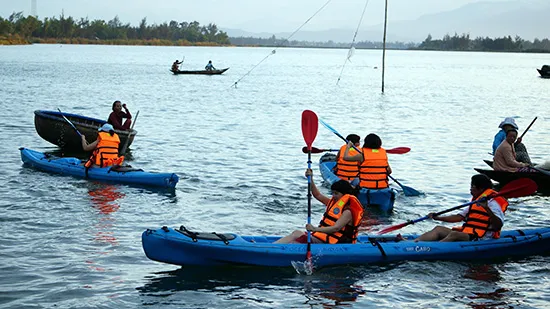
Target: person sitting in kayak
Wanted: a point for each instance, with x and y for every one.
(505, 155)
(521, 153)
(116, 116)
(175, 65)
(347, 170)
(341, 220)
(483, 220)
(105, 148)
(374, 167)
(209, 66)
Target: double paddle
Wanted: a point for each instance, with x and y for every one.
(396, 150)
(517, 188)
(309, 131)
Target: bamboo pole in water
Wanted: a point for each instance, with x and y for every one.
(384, 44)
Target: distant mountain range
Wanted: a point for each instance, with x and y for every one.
(526, 18)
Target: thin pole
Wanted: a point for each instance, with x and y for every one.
(384, 44)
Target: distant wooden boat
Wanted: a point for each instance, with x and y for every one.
(202, 72)
(544, 71)
(51, 126)
(541, 178)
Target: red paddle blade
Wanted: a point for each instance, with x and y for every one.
(519, 187)
(392, 228)
(398, 150)
(313, 150)
(310, 125)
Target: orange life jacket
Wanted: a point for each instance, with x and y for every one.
(333, 212)
(106, 151)
(477, 220)
(373, 171)
(347, 170)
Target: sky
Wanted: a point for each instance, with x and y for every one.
(249, 15)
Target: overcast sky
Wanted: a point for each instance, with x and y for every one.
(250, 15)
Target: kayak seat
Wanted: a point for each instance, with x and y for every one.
(206, 236)
(124, 169)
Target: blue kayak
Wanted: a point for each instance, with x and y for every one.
(183, 247)
(75, 167)
(382, 199)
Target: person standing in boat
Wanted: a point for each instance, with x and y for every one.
(209, 66)
(519, 147)
(373, 163)
(175, 65)
(105, 148)
(116, 116)
(483, 220)
(347, 170)
(341, 220)
(505, 155)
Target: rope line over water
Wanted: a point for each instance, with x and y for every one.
(281, 44)
(352, 47)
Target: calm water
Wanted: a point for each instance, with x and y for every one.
(71, 243)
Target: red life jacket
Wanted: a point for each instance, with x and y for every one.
(346, 170)
(373, 172)
(334, 211)
(477, 221)
(106, 151)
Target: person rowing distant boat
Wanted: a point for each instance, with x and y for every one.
(175, 65)
(519, 148)
(209, 66)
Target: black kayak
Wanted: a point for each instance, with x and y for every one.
(201, 72)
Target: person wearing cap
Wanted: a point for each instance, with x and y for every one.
(520, 149)
(341, 220)
(505, 155)
(175, 65)
(105, 148)
(209, 66)
(116, 116)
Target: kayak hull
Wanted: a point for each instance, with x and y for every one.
(382, 199)
(181, 247)
(74, 167)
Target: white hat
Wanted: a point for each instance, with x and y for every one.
(508, 121)
(106, 128)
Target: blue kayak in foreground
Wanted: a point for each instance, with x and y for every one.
(382, 199)
(75, 167)
(183, 247)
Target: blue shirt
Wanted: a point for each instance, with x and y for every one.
(499, 137)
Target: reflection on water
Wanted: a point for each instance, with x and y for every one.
(328, 287)
(496, 298)
(104, 198)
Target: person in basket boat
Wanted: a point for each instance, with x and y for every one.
(373, 163)
(482, 220)
(116, 116)
(505, 156)
(347, 170)
(520, 150)
(341, 220)
(105, 148)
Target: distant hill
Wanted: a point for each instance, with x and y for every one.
(526, 18)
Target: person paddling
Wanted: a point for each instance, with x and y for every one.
(175, 65)
(116, 116)
(105, 148)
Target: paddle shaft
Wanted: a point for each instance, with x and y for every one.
(523, 185)
(123, 150)
(528, 127)
(309, 132)
(72, 125)
(396, 150)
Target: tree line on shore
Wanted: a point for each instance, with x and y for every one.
(504, 44)
(18, 29)
(180, 33)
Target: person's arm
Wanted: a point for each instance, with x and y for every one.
(450, 219)
(344, 219)
(127, 114)
(355, 158)
(510, 159)
(86, 146)
(495, 214)
(114, 121)
(389, 170)
(315, 191)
